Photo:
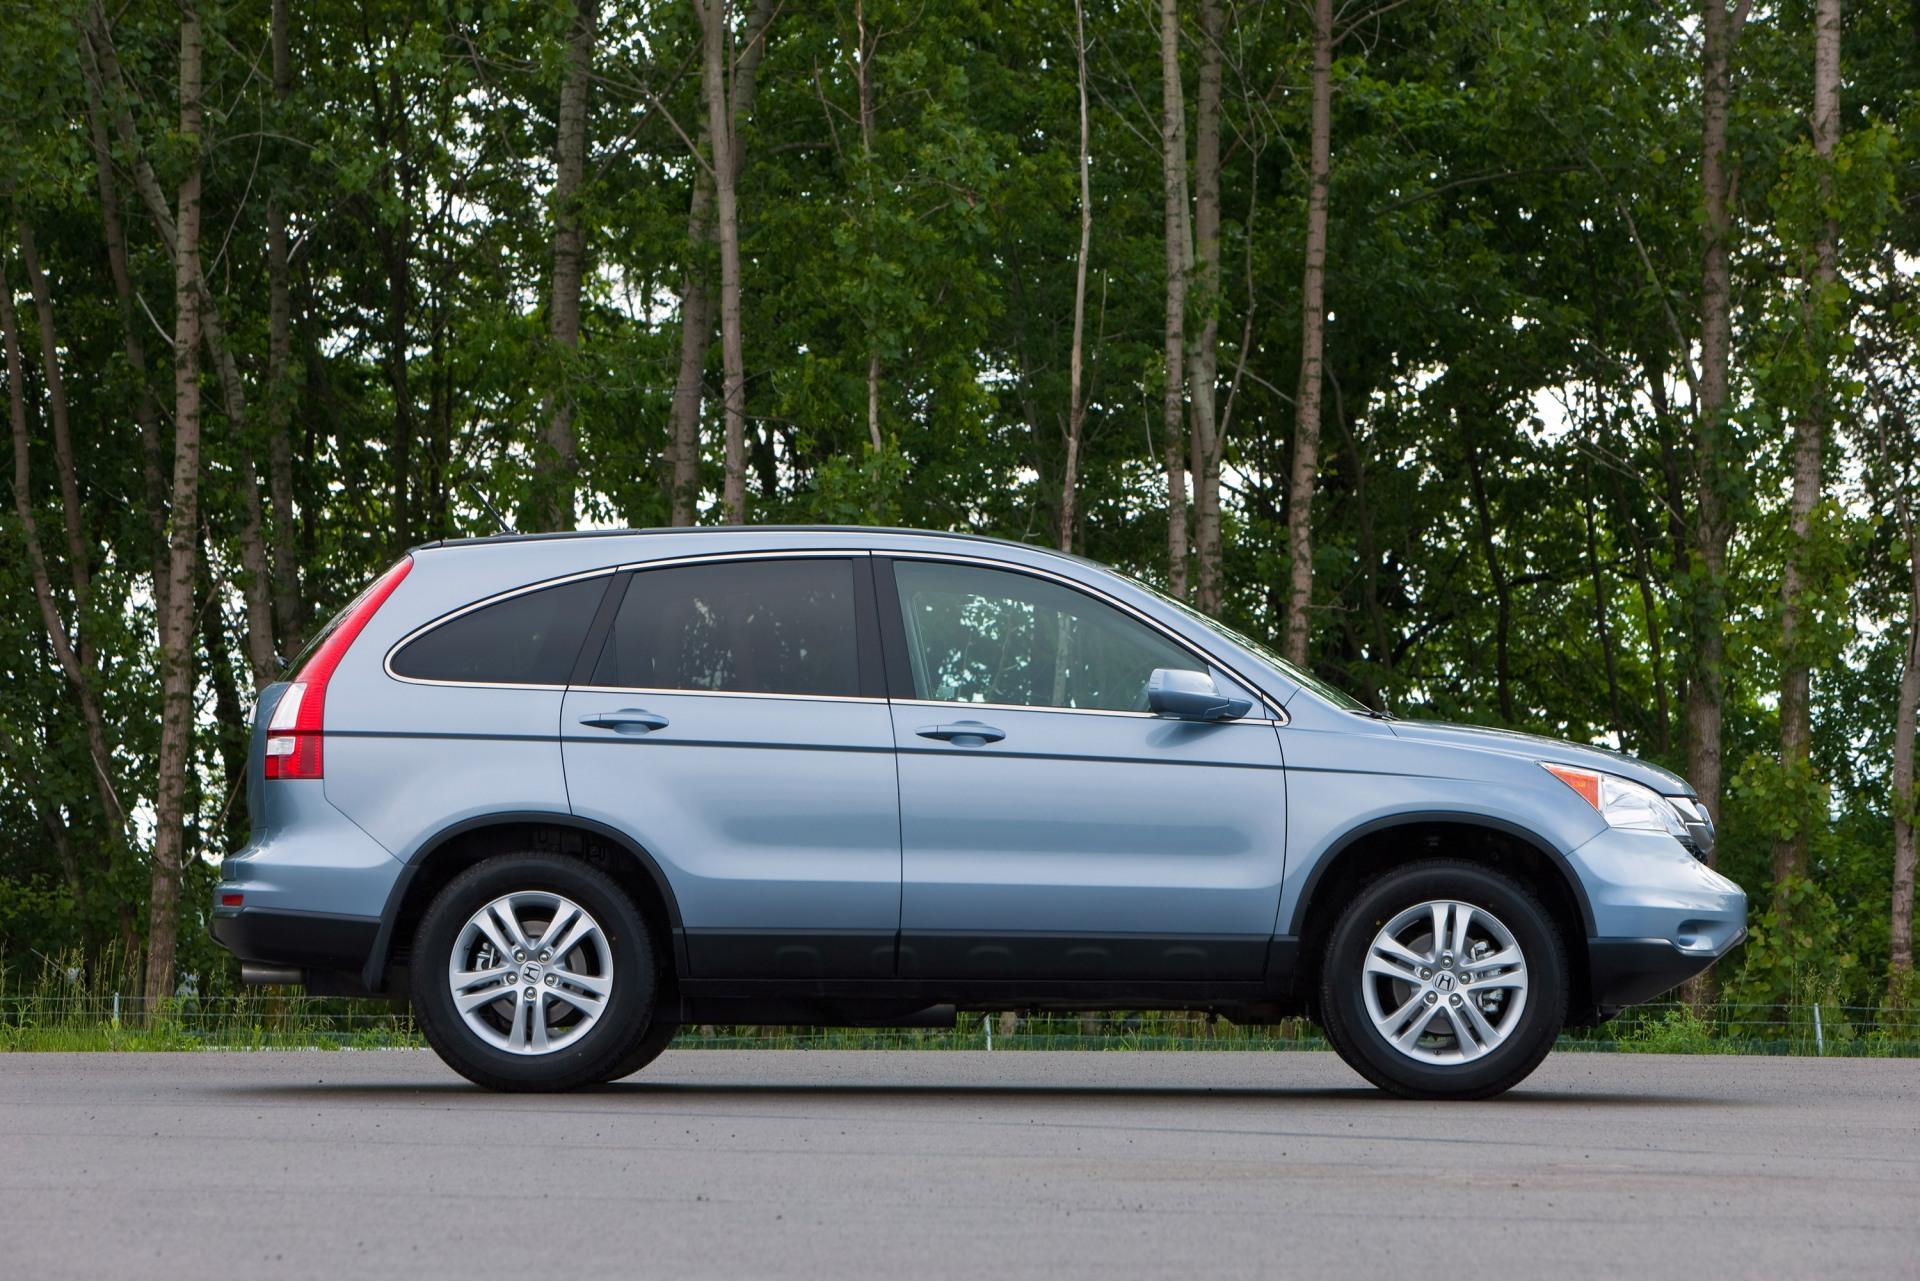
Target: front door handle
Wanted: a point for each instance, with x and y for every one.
(963, 733)
(628, 720)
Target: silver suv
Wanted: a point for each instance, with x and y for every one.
(568, 793)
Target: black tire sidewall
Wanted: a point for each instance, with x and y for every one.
(1351, 1028)
(630, 1005)
(651, 1045)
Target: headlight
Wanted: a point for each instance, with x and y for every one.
(1622, 802)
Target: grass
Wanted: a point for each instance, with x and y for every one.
(65, 1008)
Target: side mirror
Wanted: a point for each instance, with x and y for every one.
(1191, 696)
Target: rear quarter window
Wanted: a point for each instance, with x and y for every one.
(529, 639)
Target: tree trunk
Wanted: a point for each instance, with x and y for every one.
(73, 516)
(696, 294)
(229, 712)
(176, 628)
(866, 47)
(288, 610)
(207, 323)
(1173, 166)
(1906, 800)
(733, 489)
(1809, 444)
(1204, 341)
(256, 584)
(1313, 320)
(66, 649)
(696, 335)
(152, 464)
(557, 463)
(1496, 573)
(1712, 523)
(1076, 407)
(1602, 608)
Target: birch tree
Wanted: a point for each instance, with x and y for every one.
(1822, 310)
(183, 537)
(1303, 475)
(557, 464)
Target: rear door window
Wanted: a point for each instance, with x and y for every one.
(533, 638)
(778, 626)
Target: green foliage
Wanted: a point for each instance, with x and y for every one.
(1506, 498)
(1678, 1031)
(1797, 954)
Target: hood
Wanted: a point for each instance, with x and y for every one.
(1537, 747)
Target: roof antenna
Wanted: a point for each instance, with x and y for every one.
(498, 519)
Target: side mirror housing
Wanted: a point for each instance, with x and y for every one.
(1191, 696)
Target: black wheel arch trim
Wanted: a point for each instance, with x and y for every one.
(1297, 927)
(377, 960)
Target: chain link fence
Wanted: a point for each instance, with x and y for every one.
(262, 1020)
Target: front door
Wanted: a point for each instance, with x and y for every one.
(1052, 827)
(735, 725)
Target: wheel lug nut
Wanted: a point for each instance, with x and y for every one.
(1454, 999)
(1432, 997)
(546, 956)
(1425, 973)
(549, 980)
(518, 955)
(530, 994)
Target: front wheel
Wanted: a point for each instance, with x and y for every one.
(1444, 980)
(533, 972)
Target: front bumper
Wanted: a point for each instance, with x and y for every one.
(1625, 972)
(1660, 916)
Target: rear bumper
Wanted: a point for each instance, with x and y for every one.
(306, 940)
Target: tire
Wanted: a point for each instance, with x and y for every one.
(1446, 1050)
(656, 1038)
(593, 1002)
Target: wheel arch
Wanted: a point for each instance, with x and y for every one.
(447, 853)
(1376, 847)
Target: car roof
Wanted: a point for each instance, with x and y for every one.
(694, 531)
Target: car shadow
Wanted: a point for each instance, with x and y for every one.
(691, 1091)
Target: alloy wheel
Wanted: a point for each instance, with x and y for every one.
(1445, 982)
(530, 972)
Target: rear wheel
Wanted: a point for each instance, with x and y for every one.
(533, 972)
(1444, 980)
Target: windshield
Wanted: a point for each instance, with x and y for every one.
(1306, 680)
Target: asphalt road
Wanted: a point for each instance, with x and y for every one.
(933, 1164)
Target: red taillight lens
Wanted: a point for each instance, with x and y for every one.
(296, 733)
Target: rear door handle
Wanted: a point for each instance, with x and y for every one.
(964, 733)
(628, 720)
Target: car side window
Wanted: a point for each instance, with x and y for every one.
(977, 635)
(530, 639)
(778, 626)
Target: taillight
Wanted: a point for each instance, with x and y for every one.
(296, 733)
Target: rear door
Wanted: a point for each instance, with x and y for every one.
(735, 725)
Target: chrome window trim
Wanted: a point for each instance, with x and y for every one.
(1279, 714)
(721, 693)
(1076, 711)
(825, 553)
